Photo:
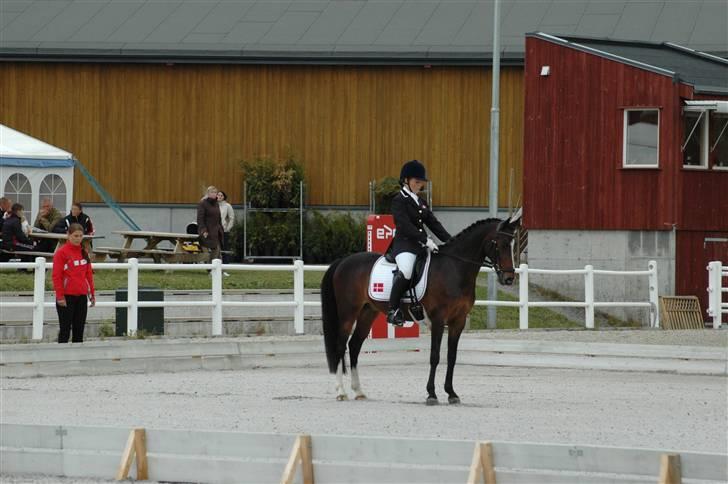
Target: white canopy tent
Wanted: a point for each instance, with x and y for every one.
(31, 170)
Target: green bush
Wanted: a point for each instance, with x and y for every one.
(269, 234)
(329, 237)
(273, 183)
(384, 192)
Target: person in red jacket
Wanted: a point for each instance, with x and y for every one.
(73, 281)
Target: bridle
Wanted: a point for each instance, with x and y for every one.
(491, 260)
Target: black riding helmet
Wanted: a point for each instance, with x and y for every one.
(412, 169)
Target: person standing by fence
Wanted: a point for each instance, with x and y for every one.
(228, 220)
(73, 282)
(209, 223)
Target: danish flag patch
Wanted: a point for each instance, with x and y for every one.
(378, 287)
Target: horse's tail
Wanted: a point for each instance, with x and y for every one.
(330, 316)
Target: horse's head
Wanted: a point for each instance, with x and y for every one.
(500, 250)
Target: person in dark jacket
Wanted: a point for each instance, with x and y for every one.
(411, 216)
(78, 217)
(209, 223)
(14, 239)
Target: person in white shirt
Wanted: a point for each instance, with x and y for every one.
(228, 220)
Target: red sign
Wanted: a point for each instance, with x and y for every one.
(380, 232)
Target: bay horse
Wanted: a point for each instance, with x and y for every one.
(449, 297)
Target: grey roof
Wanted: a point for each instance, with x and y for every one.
(706, 73)
(331, 31)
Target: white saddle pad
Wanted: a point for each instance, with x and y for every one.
(382, 276)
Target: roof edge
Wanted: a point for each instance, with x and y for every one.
(254, 56)
(590, 50)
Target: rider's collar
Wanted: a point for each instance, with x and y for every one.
(409, 193)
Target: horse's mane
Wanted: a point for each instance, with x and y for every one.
(468, 230)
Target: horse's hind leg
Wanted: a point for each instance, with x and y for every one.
(363, 325)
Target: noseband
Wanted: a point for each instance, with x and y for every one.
(491, 260)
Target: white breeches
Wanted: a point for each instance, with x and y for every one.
(406, 263)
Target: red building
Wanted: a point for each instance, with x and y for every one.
(626, 158)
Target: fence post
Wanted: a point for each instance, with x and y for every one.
(298, 296)
(216, 297)
(589, 296)
(654, 301)
(132, 298)
(39, 297)
(523, 297)
(715, 292)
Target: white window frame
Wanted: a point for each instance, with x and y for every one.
(724, 134)
(625, 125)
(704, 131)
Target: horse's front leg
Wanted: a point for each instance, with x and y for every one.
(453, 338)
(438, 327)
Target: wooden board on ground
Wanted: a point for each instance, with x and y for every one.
(681, 312)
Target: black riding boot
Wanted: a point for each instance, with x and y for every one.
(399, 286)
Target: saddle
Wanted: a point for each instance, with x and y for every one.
(382, 275)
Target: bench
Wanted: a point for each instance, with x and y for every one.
(121, 253)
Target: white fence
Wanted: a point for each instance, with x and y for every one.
(716, 307)
(216, 302)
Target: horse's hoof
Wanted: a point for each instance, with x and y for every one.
(432, 401)
(361, 397)
(341, 398)
(453, 400)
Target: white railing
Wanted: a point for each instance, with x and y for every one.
(589, 304)
(216, 302)
(716, 307)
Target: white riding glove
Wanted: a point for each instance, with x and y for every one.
(431, 245)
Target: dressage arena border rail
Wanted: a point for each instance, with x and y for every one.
(123, 357)
(716, 307)
(298, 304)
(218, 457)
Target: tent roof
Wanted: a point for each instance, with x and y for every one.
(19, 149)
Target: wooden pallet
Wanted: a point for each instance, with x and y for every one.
(681, 312)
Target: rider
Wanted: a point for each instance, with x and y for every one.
(411, 215)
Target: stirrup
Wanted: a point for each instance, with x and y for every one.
(395, 318)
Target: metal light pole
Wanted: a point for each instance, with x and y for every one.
(494, 146)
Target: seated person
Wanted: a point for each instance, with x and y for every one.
(47, 219)
(14, 239)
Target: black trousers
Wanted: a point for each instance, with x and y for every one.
(72, 318)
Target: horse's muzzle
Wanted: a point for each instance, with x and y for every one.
(506, 278)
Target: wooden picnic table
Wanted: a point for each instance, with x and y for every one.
(61, 238)
(152, 239)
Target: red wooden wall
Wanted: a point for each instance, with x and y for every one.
(691, 259)
(573, 176)
(573, 128)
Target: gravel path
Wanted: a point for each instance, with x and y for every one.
(541, 405)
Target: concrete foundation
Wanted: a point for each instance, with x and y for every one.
(607, 250)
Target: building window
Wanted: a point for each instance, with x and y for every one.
(54, 188)
(718, 140)
(695, 139)
(641, 138)
(18, 189)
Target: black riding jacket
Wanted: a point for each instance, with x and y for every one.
(410, 218)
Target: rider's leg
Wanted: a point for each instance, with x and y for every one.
(405, 263)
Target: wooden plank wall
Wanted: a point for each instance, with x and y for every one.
(161, 133)
(573, 175)
(693, 253)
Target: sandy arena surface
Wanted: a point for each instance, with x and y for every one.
(652, 410)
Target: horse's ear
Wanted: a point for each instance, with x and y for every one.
(515, 219)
